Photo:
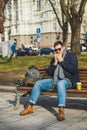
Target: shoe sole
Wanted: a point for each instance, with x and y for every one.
(61, 119)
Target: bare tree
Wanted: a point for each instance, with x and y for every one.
(61, 21)
(2, 17)
(74, 15)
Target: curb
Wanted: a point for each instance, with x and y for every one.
(7, 88)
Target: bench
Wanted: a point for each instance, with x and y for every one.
(70, 92)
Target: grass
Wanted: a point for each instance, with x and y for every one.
(23, 62)
(82, 61)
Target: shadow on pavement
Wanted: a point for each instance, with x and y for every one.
(80, 104)
(49, 103)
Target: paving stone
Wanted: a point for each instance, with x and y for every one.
(45, 114)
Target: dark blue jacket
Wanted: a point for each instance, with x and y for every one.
(70, 68)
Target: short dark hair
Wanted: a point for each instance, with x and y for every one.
(15, 39)
(58, 43)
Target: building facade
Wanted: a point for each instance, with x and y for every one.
(33, 22)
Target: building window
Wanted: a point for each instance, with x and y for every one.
(38, 5)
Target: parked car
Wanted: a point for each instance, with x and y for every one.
(26, 51)
(46, 51)
(69, 48)
(34, 48)
(83, 47)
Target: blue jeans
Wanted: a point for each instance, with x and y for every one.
(13, 52)
(46, 84)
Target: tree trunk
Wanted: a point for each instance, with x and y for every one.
(2, 17)
(65, 33)
(75, 37)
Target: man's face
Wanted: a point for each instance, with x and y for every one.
(59, 49)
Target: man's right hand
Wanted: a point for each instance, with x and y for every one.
(56, 58)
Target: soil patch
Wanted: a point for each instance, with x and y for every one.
(7, 78)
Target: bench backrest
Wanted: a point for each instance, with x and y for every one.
(82, 74)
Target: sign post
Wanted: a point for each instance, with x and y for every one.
(38, 35)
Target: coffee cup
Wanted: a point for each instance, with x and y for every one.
(79, 85)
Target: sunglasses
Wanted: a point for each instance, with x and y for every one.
(58, 49)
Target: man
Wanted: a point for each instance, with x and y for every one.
(13, 48)
(64, 72)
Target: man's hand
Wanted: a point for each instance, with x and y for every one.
(58, 58)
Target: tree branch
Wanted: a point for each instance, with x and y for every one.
(54, 9)
(65, 10)
(82, 7)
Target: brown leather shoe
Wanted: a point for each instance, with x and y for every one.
(61, 115)
(27, 110)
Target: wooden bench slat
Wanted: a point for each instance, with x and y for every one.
(83, 79)
(70, 92)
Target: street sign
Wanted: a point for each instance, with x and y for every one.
(38, 30)
(38, 34)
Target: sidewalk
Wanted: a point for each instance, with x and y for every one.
(45, 114)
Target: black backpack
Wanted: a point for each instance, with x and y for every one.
(33, 74)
